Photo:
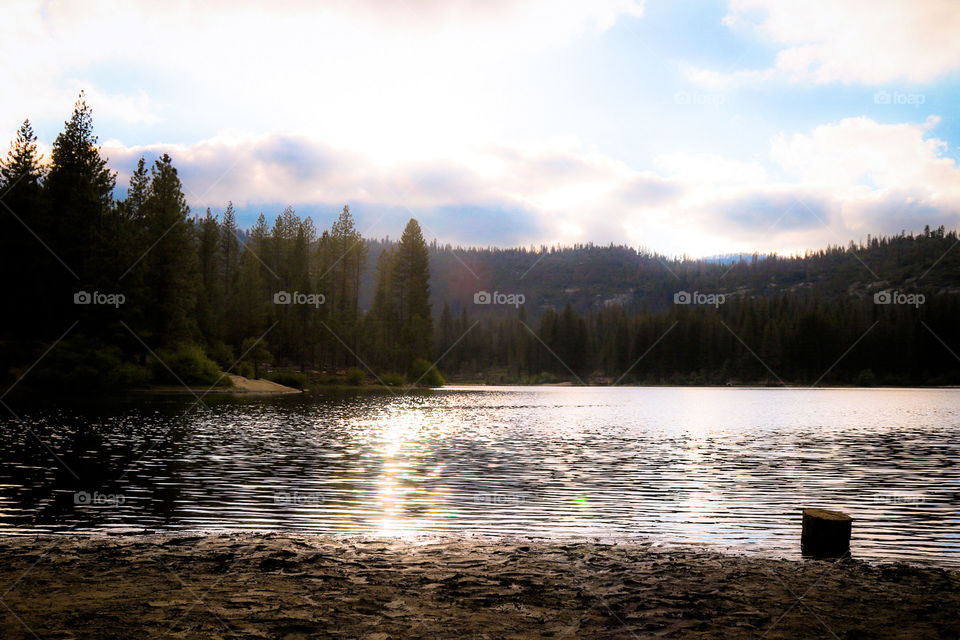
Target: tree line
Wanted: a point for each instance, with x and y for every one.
(138, 290)
(787, 338)
(160, 296)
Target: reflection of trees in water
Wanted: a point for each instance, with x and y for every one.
(83, 484)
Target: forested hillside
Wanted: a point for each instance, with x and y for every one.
(590, 277)
(107, 292)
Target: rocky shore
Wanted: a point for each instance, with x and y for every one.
(299, 586)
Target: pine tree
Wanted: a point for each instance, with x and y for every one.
(137, 192)
(254, 296)
(170, 267)
(306, 317)
(383, 319)
(230, 255)
(349, 259)
(446, 337)
(22, 214)
(411, 278)
(79, 190)
(131, 247)
(229, 246)
(210, 301)
(323, 259)
(22, 166)
(278, 257)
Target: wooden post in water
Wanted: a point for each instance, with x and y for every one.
(825, 533)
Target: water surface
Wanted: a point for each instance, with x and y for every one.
(726, 467)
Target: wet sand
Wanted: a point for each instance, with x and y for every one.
(293, 586)
(239, 385)
(248, 385)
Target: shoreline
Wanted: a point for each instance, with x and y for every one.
(241, 385)
(262, 387)
(566, 385)
(269, 585)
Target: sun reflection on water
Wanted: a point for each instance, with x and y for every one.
(411, 496)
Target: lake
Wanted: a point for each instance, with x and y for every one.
(728, 467)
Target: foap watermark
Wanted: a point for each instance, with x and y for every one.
(697, 297)
(97, 499)
(485, 297)
(904, 499)
(96, 297)
(898, 98)
(299, 499)
(899, 297)
(697, 98)
(500, 498)
(296, 297)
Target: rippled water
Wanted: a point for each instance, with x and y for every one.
(722, 466)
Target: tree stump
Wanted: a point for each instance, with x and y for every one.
(826, 534)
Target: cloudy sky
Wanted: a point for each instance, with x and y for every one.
(697, 127)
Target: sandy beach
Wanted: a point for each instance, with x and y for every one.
(239, 385)
(293, 586)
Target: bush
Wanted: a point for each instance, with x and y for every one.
(545, 377)
(245, 369)
(221, 353)
(866, 378)
(83, 364)
(256, 353)
(186, 364)
(289, 379)
(356, 377)
(424, 374)
(392, 379)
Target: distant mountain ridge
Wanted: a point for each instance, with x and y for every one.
(589, 277)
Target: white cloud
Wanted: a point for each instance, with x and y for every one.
(708, 169)
(888, 177)
(863, 41)
(858, 150)
(837, 182)
(132, 108)
(390, 77)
